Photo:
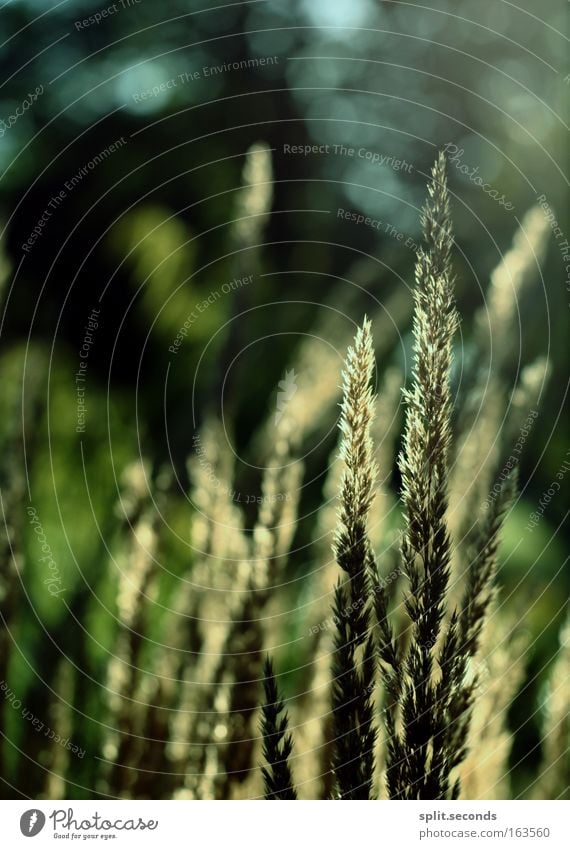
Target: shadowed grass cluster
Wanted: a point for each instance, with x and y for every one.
(411, 663)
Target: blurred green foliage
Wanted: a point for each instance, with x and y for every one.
(147, 235)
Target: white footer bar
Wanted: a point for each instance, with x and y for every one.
(285, 825)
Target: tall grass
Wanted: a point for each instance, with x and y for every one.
(408, 675)
(354, 662)
(430, 689)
